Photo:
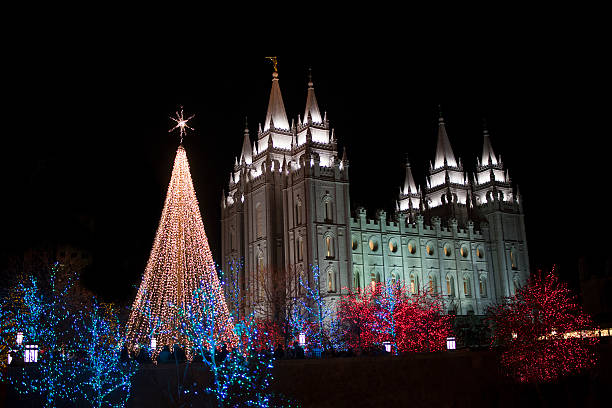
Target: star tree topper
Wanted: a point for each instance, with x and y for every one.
(181, 123)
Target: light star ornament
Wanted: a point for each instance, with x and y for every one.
(181, 123)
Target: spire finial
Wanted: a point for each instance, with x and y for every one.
(407, 160)
(440, 117)
(310, 84)
(275, 63)
(485, 128)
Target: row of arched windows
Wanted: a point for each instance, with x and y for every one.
(432, 284)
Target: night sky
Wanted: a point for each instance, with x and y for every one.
(87, 156)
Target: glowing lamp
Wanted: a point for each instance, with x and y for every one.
(514, 335)
(451, 344)
(31, 353)
(19, 338)
(302, 339)
(387, 345)
(153, 343)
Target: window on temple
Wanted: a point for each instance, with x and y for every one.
(259, 220)
(328, 209)
(411, 247)
(429, 248)
(300, 248)
(414, 285)
(450, 285)
(464, 252)
(392, 245)
(298, 212)
(393, 277)
(331, 280)
(513, 259)
(483, 286)
(329, 245)
(479, 253)
(354, 244)
(357, 284)
(447, 250)
(433, 287)
(373, 280)
(373, 244)
(467, 286)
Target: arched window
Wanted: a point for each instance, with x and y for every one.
(357, 284)
(331, 280)
(327, 201)
(393, 278)
(300, 248)
(259, 220)
(298, 211)
(433, 285)
(329, 246)
(467, 286)
(482, 281)
(377, 277)
(373, 280)
(414, 284)
(513, 259)
(450, 285)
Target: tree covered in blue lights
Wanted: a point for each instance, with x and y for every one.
(104, 378)
(240, 375)
(76, 344)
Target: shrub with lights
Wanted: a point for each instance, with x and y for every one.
(542, 332)
(387, 316)
(104, 378)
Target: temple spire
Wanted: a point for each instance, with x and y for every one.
(276, 108)
(247, 152)
(444, 152)
(487, 148)
(409, 184)
(312, 108)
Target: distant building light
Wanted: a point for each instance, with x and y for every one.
(302, 339)
(19, 338)
(514, 335)
(153, 343)
(31, 353)
(387, 345)
(451, 344)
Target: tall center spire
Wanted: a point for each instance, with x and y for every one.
(444, 152)
(276, 109)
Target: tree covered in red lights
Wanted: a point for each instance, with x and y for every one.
(389, 313)
(542, 331)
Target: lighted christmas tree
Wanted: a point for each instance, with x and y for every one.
(180, 263)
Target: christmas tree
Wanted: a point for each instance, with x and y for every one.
(180, 264)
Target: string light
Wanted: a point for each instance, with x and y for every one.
(381, 314)
(181, 123)
(180, 264)
(531, 328)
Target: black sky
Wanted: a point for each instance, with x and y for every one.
(87, 156)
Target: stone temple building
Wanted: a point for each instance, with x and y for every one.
(288, 208)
